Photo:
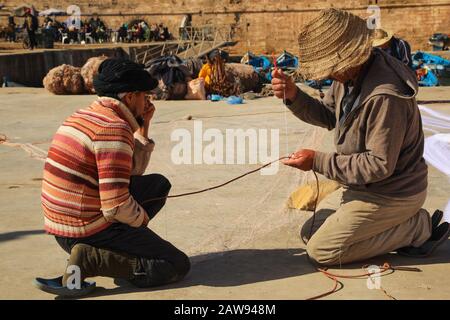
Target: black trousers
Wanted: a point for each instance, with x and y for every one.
(140, 242)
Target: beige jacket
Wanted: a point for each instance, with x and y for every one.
(379, 145)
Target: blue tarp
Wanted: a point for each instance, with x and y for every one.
(318, 84)
(260, 62)
(428, 58)
(435, 66)
(287, 61)
(429, 80)
(235, 100)
(263, 65)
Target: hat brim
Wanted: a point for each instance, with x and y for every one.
(382, 41)
(326, 66)
(332, 43)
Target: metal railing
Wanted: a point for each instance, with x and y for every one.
(193, 41)
(207, 33)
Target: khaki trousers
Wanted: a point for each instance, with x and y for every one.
(353, 225)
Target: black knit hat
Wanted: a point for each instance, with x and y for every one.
(121, 75)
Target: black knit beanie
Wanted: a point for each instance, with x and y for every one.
(121, 75)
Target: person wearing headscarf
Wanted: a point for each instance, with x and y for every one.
(94, 192)
(379, 142)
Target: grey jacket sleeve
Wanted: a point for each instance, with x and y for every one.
(143, 149)
(314, 111)
(386, 128)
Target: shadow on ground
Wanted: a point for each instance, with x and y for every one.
(9, 236)
(246, 266)
(231, 268)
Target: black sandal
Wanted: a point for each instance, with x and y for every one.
(436, 219)
(439, 236)
(54, 286)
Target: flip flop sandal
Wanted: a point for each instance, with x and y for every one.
(436, 219)
(439, 236)
(54, 286)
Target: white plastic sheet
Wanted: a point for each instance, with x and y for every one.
(437, 146)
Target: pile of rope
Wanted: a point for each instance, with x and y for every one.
(221, 83)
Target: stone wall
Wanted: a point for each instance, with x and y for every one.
(30, 68)
(264, 26)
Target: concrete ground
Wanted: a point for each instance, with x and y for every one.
(242, 240)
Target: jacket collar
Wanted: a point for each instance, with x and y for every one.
(385, 75)
(121, 109)
(388, 76)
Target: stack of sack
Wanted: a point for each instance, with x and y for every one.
(67, 79)
(245, 75)
(90, 70)
(64, 79)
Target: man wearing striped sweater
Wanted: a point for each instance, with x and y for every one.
(93, 190)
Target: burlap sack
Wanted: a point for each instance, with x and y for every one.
(196, 90)
(305, 196)
(90, 70)
(245, 75)
(64, 79)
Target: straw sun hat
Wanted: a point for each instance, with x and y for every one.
(332, 43)
(381, 37)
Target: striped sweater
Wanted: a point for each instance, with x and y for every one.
(88, 168)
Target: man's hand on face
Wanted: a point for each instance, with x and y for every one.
(149, 111)
(281, 84)
(302, 159)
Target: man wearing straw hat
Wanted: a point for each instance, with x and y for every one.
(379, 142)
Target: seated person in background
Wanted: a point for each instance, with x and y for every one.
(123, 33)
(73, 34)
(11, 29)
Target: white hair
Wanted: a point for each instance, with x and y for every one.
(122, 94)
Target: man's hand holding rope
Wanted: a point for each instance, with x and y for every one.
(302, 159)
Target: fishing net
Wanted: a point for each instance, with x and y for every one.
(245, 220)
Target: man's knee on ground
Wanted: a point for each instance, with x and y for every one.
(182, 265)
(321, 254)
(157, 272)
